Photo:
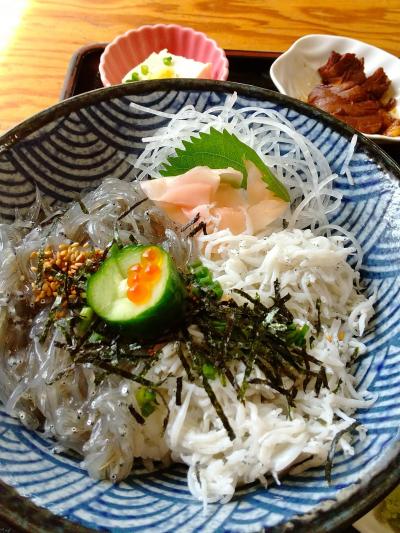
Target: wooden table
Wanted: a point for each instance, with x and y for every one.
(37, 37)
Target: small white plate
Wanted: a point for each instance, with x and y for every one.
(295, 72)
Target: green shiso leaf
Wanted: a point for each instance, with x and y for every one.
(221, 150)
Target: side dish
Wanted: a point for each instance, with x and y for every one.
(206, 313)
(349, 95)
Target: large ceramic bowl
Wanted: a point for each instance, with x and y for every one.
(76, 144)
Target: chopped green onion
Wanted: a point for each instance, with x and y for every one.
(86, 318)
(201, 272)
(167, 60)
(223, 380)
(144, 69)
(209, 371)
(219, 325)
(146, 399)
(217, 289)
(204, 278)
(134, 77)
(195, 264)
(296, 335)
(95, 337)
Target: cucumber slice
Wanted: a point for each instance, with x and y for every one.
(107, 293)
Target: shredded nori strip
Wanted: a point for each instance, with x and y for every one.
(218, 408)
(50, 218)
(197, 472)
(247, 372)
(318, 384)
(337, 386)
(124, 373)
(39, 272)
(184, 362)
(200, 227)
(190, 223)
(178, 396)
(318, 307)
(332, 450)
(83, 207)
(166, 418)
(353, 358)
(132, 208)
(63, 373)
(227, 372)
(137, 416)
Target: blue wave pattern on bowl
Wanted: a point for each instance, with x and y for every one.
(77, 152)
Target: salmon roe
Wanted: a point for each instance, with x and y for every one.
(143, 276)
(139, 293)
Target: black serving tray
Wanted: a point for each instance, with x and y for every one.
(244, 67)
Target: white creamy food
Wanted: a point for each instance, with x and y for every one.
(163, 64)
